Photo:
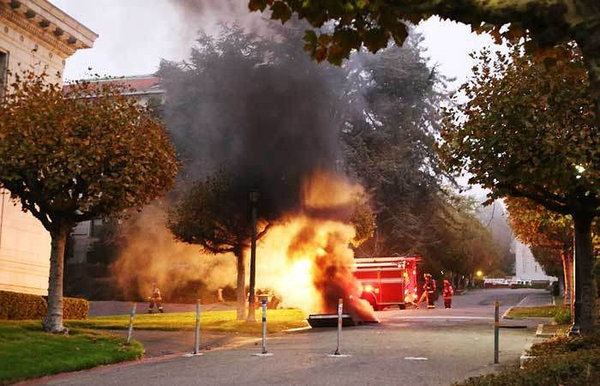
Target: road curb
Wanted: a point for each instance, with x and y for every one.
(505, 314)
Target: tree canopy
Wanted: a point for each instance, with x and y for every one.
(388, 141)
(78, 154)
(75, 155)
(528, 130)
(341, 26)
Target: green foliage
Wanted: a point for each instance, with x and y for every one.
(213, 213)
(389, 147)
(388, 143)
(18, 306)
(528, 131)
(566, 344)
(27, 352)
(563, 316)
(74, 155)
(341, 26)
(576, 368)
(559, 361)
(549, 234)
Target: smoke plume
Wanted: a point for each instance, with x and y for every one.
(254, 105)
(152, 255)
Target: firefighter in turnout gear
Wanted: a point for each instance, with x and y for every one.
(428, 294)
(447, 293)
(155, 300)
(431, 289)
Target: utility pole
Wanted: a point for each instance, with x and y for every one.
(251, 303)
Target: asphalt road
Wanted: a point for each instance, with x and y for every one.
(416, 347)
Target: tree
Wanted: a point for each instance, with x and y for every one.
(220, 112)
(215, 213)
(462, 244)
(549, 234)
(389, 144)
(529, 131)
(374, 23)
(77, 155)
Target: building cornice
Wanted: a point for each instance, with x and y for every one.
(49, 24)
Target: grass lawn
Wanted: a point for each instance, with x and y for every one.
(535, 312)
(27, 352)
(223, 321)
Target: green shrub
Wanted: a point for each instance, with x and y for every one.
(566, 344)
(562, 316)
(18, 306)
(75, 308)
(574, 368)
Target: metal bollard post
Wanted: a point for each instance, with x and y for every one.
(196, 351)
(340, 315)
(197, 331)
(340, 310)
(496, 330)
(263, 302)
(130, 330)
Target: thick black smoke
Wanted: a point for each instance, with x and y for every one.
(257, 108)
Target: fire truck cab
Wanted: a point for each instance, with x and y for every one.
(387, 281)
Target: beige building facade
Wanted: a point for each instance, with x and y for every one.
(37, 36)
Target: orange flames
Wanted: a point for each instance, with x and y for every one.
(306, 258)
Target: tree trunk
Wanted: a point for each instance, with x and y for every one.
(585, 287)
(53, 322)
(241, 283)
(567, 262)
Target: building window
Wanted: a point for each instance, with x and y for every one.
(3, 72)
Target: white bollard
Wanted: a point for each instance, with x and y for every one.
(197, 335)
(340, 310)
(130, 330)
(196, 351)
(264, 353)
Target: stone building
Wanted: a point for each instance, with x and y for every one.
(34, 35)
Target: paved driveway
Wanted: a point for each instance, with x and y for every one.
(416, 347)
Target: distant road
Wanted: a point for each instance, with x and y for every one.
(414, 347)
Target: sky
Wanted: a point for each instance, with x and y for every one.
(135, 34)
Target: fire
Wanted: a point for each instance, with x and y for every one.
(306, 258)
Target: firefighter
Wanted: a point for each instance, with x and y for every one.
(447, 293)
(155, 300)
(431, 289)
(428, 294)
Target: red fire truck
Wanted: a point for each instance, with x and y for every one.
(387, 281)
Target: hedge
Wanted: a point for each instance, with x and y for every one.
(75, 308)
(573, 368)
(560, 361)
(18, 306)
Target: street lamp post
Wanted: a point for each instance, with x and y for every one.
(251, 303)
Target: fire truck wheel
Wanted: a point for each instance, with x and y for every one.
(402, 306)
